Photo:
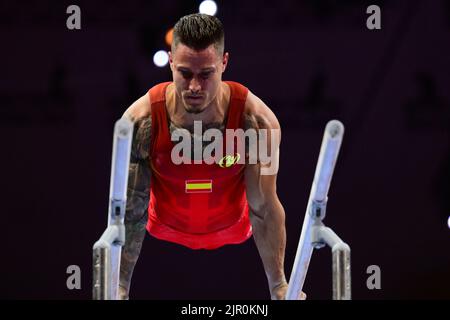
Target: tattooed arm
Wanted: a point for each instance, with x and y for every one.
(138, 193)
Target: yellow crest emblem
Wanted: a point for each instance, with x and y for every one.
(228, 160)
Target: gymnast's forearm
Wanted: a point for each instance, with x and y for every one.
(135, 222)
(135, 233)
(269, 234)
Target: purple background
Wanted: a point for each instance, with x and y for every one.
(310, 61)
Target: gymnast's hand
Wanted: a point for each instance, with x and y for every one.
(123, 294)
(279, 292)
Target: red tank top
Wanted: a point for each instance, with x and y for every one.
(200, 206)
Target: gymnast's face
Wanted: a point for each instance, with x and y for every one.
(197, 75)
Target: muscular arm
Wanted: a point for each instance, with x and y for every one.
(138, 193)
(268, 223)
(266, 212)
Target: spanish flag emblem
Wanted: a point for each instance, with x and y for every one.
(198, 186)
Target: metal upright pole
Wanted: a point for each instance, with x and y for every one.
(107, 250)
(314, 234)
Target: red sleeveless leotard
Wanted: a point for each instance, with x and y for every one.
(200, 206)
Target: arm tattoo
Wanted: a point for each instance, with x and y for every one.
(251, 121)
(138, 194)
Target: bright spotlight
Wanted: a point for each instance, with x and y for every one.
(208, 7)
(161, 58)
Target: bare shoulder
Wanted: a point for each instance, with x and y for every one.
(139, 109)
(140, 114)
(258, 114)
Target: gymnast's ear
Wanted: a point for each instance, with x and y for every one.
(226, 57)
(170, 60)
